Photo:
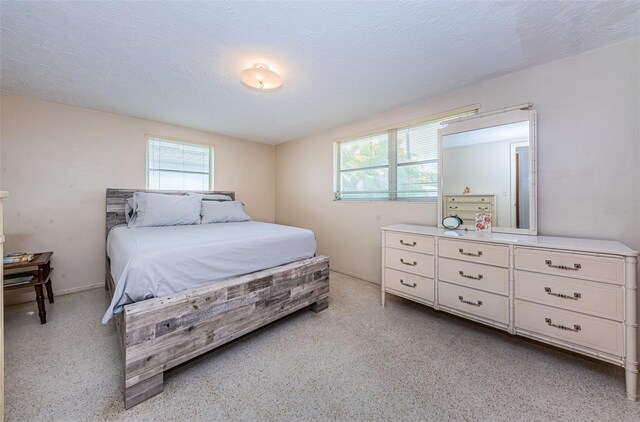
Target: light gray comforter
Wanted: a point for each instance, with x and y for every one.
(156, 261)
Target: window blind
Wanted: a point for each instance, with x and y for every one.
(417, 152)
(176, 165)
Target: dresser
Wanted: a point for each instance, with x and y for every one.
(577, 294)
(466, 207)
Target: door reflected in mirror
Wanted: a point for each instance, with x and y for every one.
(488, 170)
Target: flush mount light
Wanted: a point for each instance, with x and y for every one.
(261, 78)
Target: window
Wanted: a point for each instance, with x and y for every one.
(417, 152)
(394, 164)
(364, 167)
(174, 165)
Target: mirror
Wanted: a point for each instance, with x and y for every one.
(487, 169)
(451, 222)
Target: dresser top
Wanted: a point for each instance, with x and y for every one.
(4, 194)
(553, 242)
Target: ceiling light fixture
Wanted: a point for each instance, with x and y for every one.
(261, 78)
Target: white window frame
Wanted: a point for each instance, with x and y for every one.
(392, 132)
(150, 136)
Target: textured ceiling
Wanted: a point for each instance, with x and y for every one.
(179, 62)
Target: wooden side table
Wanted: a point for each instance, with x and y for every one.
(31, 277)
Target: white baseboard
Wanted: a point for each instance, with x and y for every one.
(355, 275)
(28, 295)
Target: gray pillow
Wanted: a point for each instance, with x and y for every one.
(154, 209)
(223, 212)
(128, 209)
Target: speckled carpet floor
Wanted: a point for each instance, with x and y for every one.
(354, 361)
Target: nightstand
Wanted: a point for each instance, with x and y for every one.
(32, 277)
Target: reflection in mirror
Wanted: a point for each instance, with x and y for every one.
(488, 171)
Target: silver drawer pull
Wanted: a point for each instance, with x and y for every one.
(575, 267)
(575, 328)
(483, 209)
(453, 208)
(462, 274)
(409, 263)
(469, 253)
(575, 296)
(478, 303)
(407, 284)
(402, 242)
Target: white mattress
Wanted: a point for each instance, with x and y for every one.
(156, 261)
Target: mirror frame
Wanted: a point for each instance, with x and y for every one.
(490, 119)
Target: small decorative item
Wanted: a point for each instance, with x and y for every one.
(17, 257)
(483, 222)
(466, 191)
(451, 222)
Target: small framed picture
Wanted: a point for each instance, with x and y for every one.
(483, 222)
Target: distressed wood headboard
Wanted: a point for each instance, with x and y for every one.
(117, 197)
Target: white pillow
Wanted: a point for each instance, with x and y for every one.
(154, 209)
(223, 212)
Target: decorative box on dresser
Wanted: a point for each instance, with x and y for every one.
(577, 294)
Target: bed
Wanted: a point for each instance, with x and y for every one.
(160, 328)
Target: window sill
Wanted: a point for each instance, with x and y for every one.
(400, 201)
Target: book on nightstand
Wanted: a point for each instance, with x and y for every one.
(18, 280)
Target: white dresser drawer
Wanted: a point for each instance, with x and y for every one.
(595, 333)
(410, 242)
(461, 199)
(468, 208)
(602, 300)
(468, 218)
(588, 267)
(411, 262)
(482, 253)
(484, 277)
(475, 302)
(410, 284)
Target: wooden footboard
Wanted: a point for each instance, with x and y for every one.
(158, 334)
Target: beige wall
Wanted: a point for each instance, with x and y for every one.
(58, 160)
(589, 150)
